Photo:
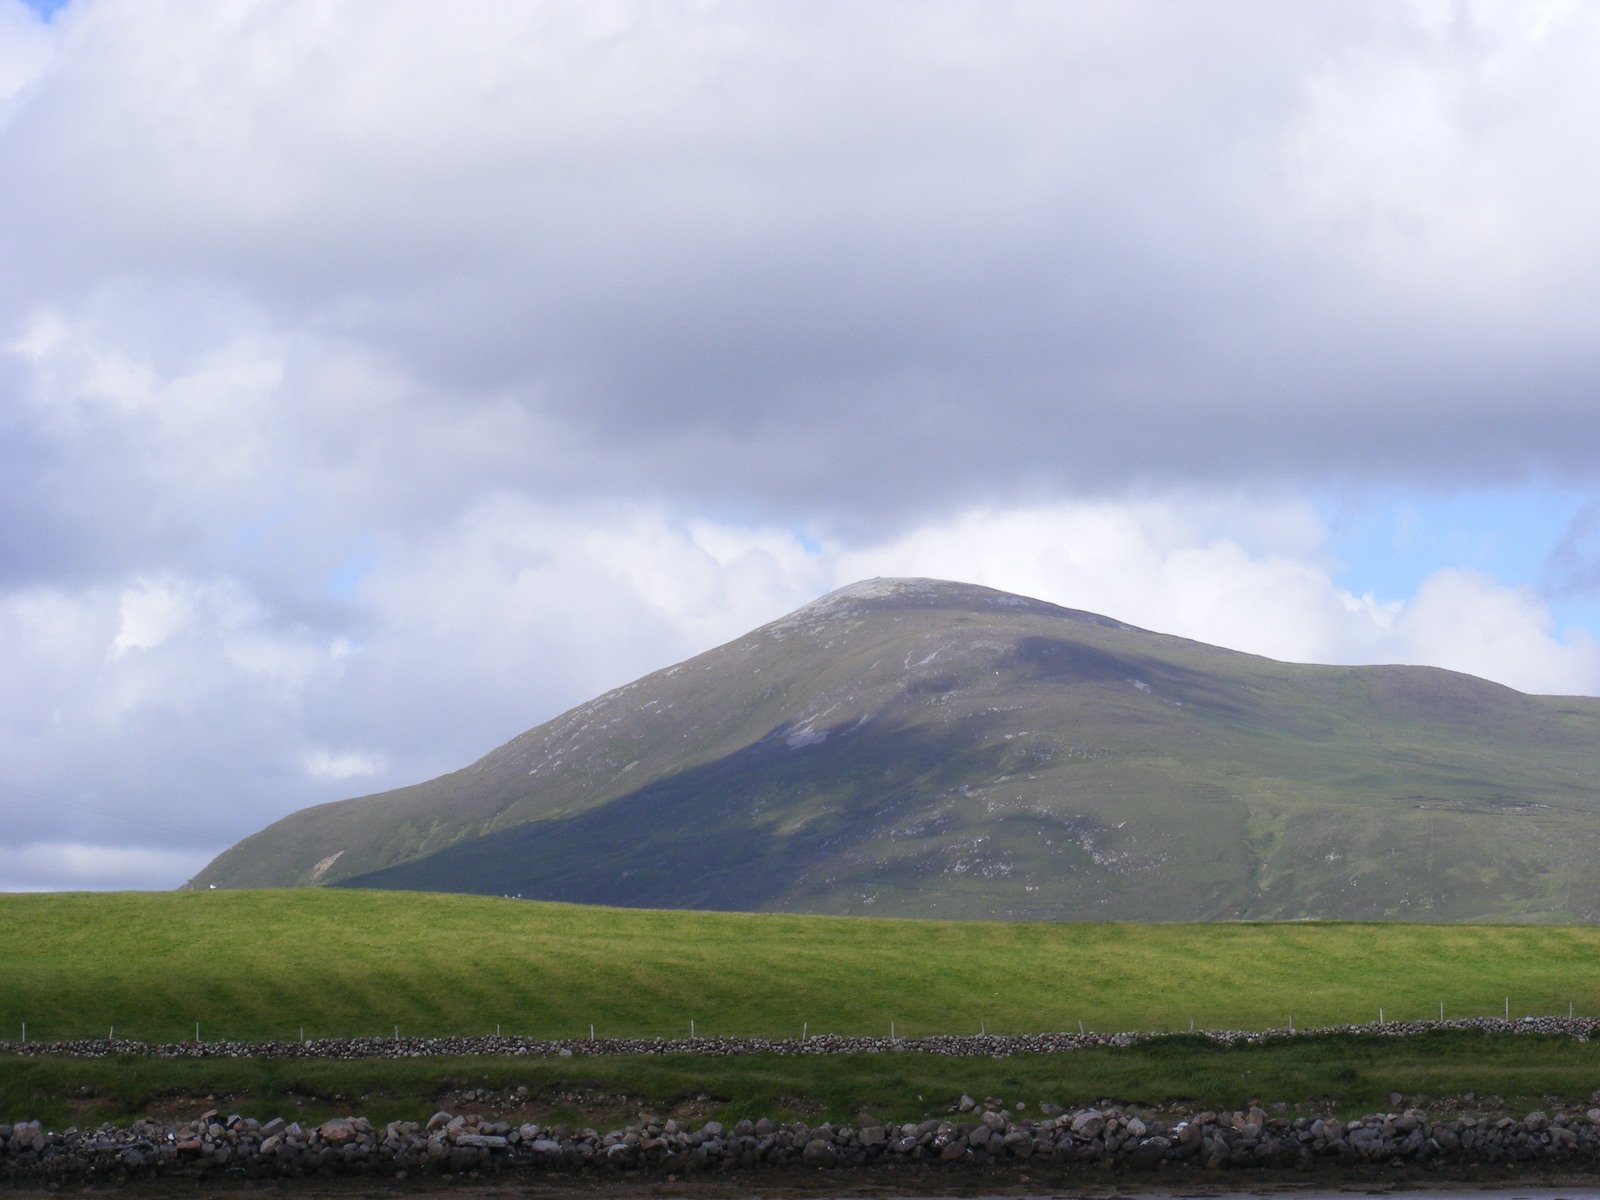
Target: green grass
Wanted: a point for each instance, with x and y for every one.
(1323, 1075)
(261, 965)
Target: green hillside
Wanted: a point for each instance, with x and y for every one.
(264, 964)
(917, 748)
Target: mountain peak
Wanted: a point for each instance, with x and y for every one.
(915, 592)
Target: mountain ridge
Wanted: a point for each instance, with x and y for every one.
(919, 747)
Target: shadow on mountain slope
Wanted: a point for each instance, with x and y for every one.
(773, 825)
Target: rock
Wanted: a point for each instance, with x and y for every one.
(1088, 1124)
(966, 1103)
(338, 1132)
(482, 1141)
(818, 1153)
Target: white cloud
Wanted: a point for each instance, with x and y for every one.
(1465, 621)
(1270, 589)
(25, 49)
(343, 764)
(148, 613)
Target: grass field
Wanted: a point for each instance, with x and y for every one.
(263, 964)
(266, 964)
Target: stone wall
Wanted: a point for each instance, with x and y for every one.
(974, 1136)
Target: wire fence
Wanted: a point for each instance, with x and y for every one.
(691, 1034)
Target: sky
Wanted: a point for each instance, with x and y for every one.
(378, 381)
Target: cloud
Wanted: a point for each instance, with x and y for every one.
(72, 866)
(341, 765)
(1573, 564)
(374, 387)
(849, 264)
(1465, 621)
(25, 49)
(1269, 587)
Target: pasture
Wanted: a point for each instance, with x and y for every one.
(270, 964)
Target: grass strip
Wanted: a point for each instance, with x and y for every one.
(1343, 1075)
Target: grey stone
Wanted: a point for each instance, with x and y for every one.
(483, 1141)
(1088, 1123)
(819, 1153)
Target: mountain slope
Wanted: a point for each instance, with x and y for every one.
(913, 747)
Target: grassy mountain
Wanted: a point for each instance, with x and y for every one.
(912, 747)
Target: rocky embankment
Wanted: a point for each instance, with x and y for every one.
(993, 1045)
(975, 1136)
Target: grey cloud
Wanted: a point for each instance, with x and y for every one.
(1573, 566)
(742, 254)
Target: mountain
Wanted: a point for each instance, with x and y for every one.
(922, 748)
